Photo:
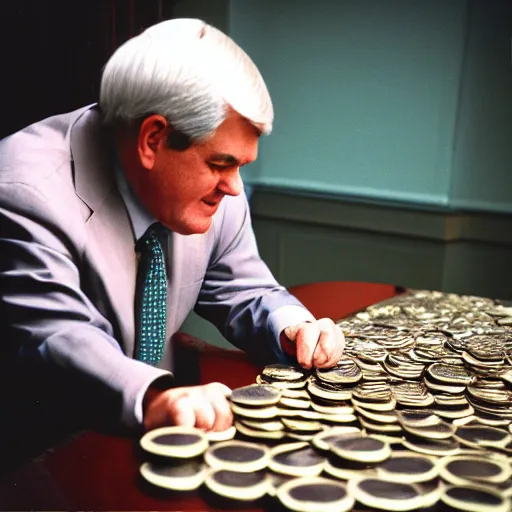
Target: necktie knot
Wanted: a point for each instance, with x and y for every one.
(150, 240)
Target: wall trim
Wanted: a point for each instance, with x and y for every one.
(392, 217)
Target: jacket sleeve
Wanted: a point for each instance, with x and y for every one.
(239, 293)
(50, 322)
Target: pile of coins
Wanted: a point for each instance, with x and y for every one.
(417, 414)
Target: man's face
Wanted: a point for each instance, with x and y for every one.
(184, 188)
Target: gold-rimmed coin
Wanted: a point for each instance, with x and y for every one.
(296, 459)
(177, 442)
(236, 455)
(314, 494)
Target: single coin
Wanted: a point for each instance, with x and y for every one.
(485, 394)
(417, 417)
(450, 374)
(474, 362)
(373, 427)
(408, 467)
(323, 440)
(441, 430)
(236, 485)
(438, 386)
(264, 413)
(223, 435)
(296, 459)
(299, 436)
(404, 367)
(377, 416)
(237, 456)
(450, 399)
(367, 365)
(282, 384)
(294, 393)
(375, 406)
(256, 395)
(332, 409)
(295, 403)
(299, 413)
(505, 412)
(302, 426)
(338, 419)
(474, 498)
(179, 442)
(360, 448)
(464, 469)
(479, 435)
(346, 470)
(269, 426)
(390, 438)
(319, 389)
(282, 372)
(454, 413)
(372, 392)
(440, 447)
(381, 494)
(183, 476)
(345, 372)
(258, 433)
(314, 494)
(412, 394)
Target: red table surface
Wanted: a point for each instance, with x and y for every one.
(94, 471)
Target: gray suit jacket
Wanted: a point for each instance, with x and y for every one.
(68, 266)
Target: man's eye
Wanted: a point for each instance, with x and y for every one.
(218, 167)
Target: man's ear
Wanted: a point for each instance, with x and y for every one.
(152, 137)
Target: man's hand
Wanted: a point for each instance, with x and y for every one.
(204, 407)
(318, 344)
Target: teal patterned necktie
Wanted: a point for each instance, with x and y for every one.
(151, 296)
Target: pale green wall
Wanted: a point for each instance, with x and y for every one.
(365, 93)
(393, 99)
(482, 169)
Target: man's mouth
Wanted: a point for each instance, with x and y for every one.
(212, 202)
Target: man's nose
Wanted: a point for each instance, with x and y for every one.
(231, 183)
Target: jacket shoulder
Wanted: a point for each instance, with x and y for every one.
(36, 151)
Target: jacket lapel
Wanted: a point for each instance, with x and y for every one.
(110, 244)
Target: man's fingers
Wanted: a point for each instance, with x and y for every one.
(305, 341)
(205, 407)
(326, 351)
(331, 344)
(318, 344)
(217, 394)
(291, 331)
(321, 355)
(219, 388)
(182, 412)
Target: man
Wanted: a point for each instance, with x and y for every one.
(117, 220)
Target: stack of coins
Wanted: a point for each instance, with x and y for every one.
(417, 414)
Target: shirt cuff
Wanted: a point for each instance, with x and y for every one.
(165, 381)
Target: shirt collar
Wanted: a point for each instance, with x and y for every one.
(139, 216)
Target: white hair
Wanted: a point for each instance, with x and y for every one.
(190, 73)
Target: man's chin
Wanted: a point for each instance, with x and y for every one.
(196, 227)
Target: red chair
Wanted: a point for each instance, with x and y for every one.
(337, 299)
